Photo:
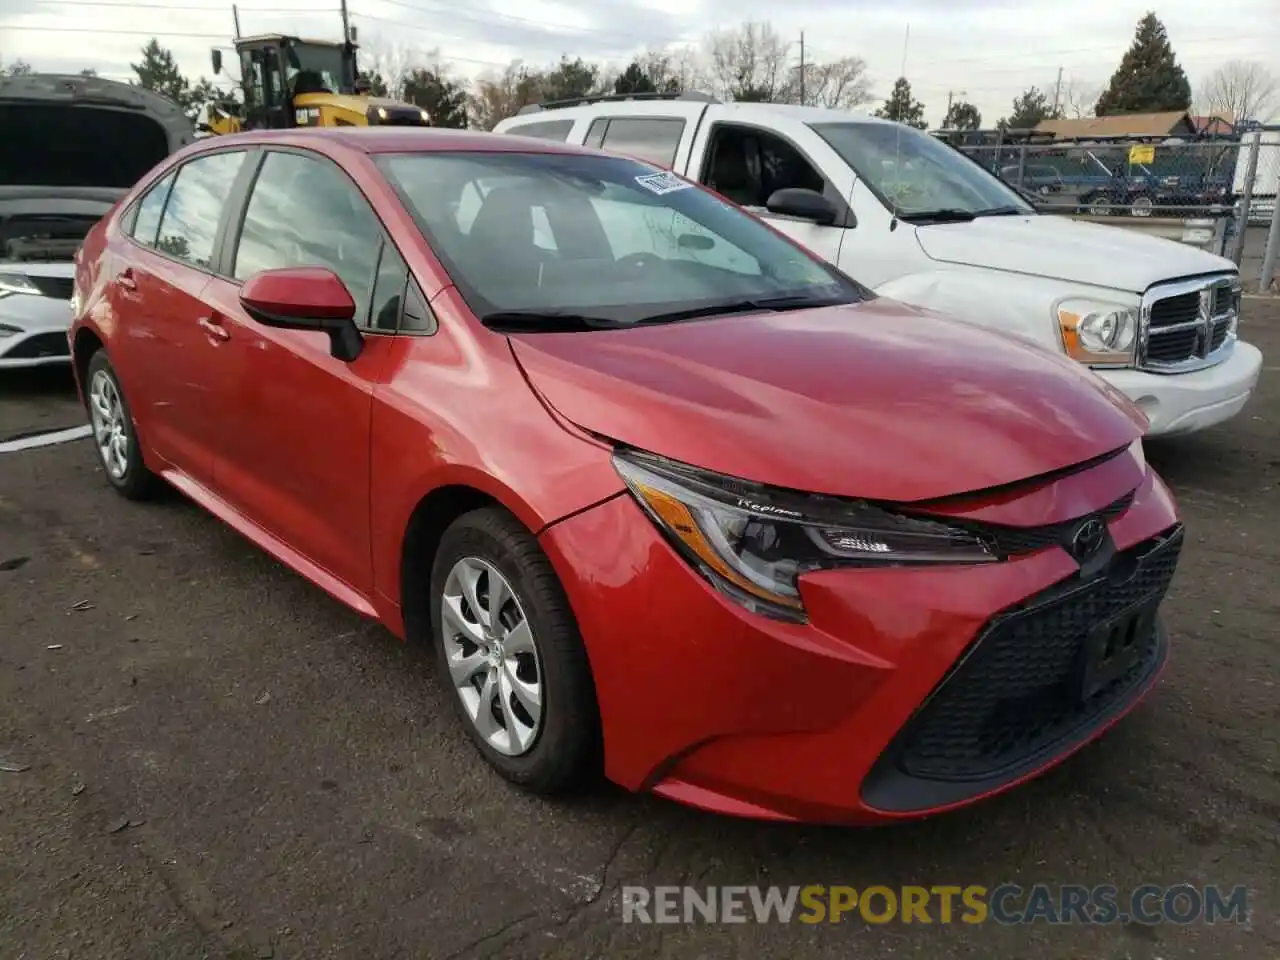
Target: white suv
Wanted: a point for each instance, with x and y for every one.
(917, 221)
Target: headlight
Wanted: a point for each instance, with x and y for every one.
(1099, 334)
(426, 117)
(18, 283)
(753, 542)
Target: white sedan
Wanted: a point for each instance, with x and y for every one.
(35, 313)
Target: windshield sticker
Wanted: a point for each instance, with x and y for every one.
(661, 183)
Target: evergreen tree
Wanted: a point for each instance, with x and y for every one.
(1029, 109)
(962, 115)
(902, 107)
(377, 87)
(1149, 78)
(634, 80)
(158, 71)
(444, 100)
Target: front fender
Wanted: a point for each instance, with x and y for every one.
(1014, 304)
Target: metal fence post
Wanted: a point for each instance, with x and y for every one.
(1273, 245)
(1022, 163)
(1246, 200)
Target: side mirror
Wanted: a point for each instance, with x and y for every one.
(803, 203)
(305, 298)
(215, 57)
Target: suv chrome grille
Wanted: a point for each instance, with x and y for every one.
(1188, 325)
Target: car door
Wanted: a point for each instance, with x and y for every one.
(296, 462)
(167, 357)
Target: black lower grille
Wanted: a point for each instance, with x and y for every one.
(59, 288)
(1024, 690)
(40, 346)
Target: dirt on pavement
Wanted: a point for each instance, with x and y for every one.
(223, 762)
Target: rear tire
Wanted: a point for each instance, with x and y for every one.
(509, 654)
(115, 438)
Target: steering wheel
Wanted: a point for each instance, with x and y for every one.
(639, 261)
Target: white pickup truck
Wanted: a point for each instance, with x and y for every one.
(915, 220)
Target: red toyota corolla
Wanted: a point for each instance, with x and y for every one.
(667, 494)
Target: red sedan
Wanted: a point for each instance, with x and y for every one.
(670, 497)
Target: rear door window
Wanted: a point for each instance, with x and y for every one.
(545, 130)
(189, 226)
(654, 139)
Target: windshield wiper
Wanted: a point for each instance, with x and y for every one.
(945, 215)
(758, 305)
(954, 215)
(546, 321)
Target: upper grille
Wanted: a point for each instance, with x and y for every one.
(1014, 696)
(1008, 541)
(1190, 324)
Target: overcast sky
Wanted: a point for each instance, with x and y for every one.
(985, 51)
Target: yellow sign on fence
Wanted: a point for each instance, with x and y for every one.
(1142, 154)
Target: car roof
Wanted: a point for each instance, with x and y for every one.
(745, 110)
(400, 140)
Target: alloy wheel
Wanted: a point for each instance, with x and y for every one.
(110, 433)
(493, 656)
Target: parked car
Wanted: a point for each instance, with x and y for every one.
(72, 146)
(668, 493)
(1157, 319)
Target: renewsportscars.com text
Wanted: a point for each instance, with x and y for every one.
(1006, 904)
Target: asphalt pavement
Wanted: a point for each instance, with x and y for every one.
(201, 755)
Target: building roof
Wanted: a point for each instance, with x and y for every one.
(1123, 125)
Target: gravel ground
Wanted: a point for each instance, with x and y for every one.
(225, 763)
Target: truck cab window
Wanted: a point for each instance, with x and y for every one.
(746, 165)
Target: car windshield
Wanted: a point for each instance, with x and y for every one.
(542, 237)
(914, 174)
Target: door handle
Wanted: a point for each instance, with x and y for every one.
(214, 329)
(126, 280)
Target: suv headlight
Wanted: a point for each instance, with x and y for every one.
(18, 283)
(1097, 333)
(753, 542)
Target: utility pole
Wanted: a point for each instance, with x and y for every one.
(950, 95)
(802, 99)
(235, 15)
(1057, 93)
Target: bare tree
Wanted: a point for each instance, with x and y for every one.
(677, 70)
(498, 95)
(392, 62)
(838, 85)
(749, 62)
(1239, 90)
(1077, 98)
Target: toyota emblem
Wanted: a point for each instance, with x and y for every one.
(1088, 538)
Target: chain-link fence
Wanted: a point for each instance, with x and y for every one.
(1223, 190)
(1128, 178)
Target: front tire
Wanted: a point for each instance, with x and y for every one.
(510, 656)
(115, 438)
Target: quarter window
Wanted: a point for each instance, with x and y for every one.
(544, 130)
(388, 290)
(146, 222)
(191, 217)
(646, 138)
(305, 212)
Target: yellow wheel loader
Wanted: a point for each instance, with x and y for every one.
(288, 82)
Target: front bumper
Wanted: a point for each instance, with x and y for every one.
(42, 324)
(1181, 403)
(706, 704)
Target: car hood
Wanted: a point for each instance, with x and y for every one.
(1064, 249)
(876, 400)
